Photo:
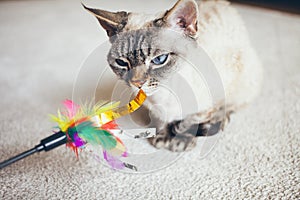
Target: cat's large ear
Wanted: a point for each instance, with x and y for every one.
(112, 22)
(183, 16)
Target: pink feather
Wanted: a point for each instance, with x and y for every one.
(71, 107)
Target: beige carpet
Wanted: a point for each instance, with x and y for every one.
(43, 44)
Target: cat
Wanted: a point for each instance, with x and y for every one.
(138, 57)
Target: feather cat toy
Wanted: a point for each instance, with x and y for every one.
(89, 125)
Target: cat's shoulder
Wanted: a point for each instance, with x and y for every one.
(220, 21)
(216, 9)
(214, 3)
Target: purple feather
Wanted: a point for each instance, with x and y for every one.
(113, 161)
(78, 142)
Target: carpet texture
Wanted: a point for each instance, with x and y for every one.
(43, 44)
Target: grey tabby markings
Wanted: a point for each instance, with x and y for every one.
(137, 47)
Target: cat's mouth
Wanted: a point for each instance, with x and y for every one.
(149, 87)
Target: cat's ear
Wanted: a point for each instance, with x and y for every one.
(112, 22)
(183, 16)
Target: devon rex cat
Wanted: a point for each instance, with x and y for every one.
(138, 56)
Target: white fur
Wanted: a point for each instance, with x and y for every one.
(226, 41)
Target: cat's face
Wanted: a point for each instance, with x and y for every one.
(142, 59)
(144, 52)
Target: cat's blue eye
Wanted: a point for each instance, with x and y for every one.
(122, 63)
(159, 60)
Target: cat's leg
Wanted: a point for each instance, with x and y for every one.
(182, 135)
(204, 123)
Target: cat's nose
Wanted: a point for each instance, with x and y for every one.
(138, 83)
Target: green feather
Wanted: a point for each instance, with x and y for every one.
(94, 135)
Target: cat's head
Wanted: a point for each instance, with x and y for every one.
(146, 49)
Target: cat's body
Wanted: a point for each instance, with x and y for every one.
(213, 25)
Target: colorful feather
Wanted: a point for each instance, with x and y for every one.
(92, 124)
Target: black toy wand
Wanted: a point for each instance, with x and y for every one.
(46, 144)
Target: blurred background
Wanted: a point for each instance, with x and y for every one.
(292, 6)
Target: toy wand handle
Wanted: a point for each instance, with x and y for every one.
(46, 144)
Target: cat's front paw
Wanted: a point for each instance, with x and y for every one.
(175, 143)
